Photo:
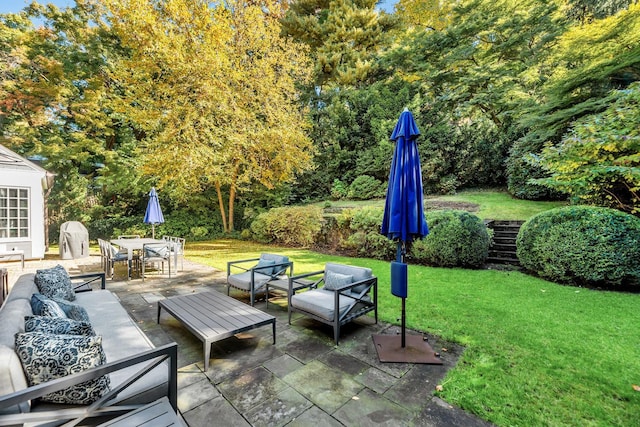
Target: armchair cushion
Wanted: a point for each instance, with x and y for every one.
(359, 274)
(243, 280)
(321, 303)
(277, 259)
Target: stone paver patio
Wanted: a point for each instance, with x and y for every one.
(302, 380)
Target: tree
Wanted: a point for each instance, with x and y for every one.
(586, 63)
(55, 102)
(345, 38)
(212, 87)
(598, 161)
(427, 14)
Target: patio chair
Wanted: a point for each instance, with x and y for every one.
(111, 255)
(347, 292)
(156, 253)
(269, 267)
(177, 248)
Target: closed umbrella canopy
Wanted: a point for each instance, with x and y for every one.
(153, 215)
(404, 222)
(404, 207)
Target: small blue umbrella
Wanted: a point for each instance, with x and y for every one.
(153, 215)
(403, 219)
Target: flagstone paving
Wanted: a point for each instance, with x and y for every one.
(302, 380)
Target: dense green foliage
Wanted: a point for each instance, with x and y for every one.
(365, 239)
(290, 225)
(587, 246)
(598, 162)
(491, 84)
(455, 239)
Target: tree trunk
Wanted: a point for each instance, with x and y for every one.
(222, 210)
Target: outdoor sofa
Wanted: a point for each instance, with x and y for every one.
(139, 373)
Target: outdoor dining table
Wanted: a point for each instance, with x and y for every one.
(137, 244)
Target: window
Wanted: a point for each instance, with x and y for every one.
(14, 212)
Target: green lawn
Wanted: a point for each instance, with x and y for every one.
(536, 353)
(492, 204)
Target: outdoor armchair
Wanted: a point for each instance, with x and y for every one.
(339, 294)
(269, 267)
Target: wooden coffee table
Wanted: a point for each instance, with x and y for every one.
(213, 316)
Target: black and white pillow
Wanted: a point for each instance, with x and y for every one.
(45, 357)
(55, 283)
(43, 306)
(57, 326)
(73, 311)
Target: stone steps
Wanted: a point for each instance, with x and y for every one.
(503, 246)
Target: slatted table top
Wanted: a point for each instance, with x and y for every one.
(213, 316)
(158, 413)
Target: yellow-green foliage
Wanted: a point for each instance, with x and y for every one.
(291, 226)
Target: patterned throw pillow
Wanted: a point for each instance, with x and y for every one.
(73, 311)
(46, 357)
(57, 326)
(55, 283)
(43, 306)
(333, 281)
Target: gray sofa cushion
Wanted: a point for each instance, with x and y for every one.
(121, 337)
(12, 320)
(11, 377)
(23, 288)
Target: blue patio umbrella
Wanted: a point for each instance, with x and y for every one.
(403, 222)
(153, 215)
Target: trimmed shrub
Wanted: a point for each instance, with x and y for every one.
(177, 223)
(339, 190)
(366, 240)
(582, 245)
(366, 187)
(289, 225)
(456, 239)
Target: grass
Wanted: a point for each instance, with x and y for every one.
(492, 204)
(498, 204)
(537, 353)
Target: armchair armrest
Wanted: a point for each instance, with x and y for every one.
(234, 264)
(305, 283)
(104, 405)
(86, 280)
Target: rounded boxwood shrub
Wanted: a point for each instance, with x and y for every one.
(455, 239)
(582, 245)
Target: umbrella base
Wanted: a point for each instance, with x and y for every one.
(416, 349)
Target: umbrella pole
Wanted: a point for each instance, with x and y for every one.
(400, 258)
(153, 231)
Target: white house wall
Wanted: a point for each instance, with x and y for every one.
(24, 178)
